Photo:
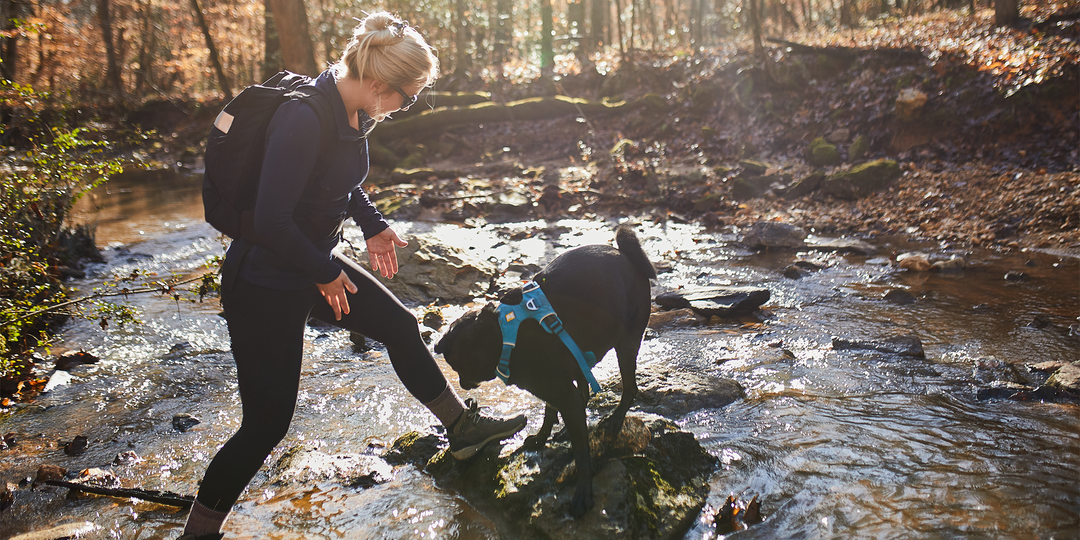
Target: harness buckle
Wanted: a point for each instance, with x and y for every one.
(552, 323)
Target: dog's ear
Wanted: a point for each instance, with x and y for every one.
(490, 309)
(440, 347)
(513, 297)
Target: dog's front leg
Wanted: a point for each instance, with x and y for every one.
(578, 428)
(537, 441)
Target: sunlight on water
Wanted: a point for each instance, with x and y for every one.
(837, 443)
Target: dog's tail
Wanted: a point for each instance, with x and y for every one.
(629, 246)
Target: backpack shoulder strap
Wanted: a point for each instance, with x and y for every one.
(318, 102)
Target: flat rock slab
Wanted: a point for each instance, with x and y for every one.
(906, 345)
(715, 301)
(304, 465)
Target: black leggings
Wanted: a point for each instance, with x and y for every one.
(267, 331)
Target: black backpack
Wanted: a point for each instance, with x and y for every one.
(237, 143)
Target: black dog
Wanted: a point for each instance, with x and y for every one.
(602, 296)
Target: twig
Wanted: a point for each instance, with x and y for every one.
(126, 292)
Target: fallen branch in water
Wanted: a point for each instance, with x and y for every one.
(161, 497)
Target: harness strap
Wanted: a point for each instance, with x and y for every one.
(534, 305)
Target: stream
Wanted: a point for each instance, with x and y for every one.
(835, 443)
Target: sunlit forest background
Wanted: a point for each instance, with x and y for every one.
(143, 49)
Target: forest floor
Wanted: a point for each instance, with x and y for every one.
(990, 159)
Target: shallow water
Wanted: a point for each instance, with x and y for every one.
(837, 444)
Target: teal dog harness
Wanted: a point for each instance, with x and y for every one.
(534, 305)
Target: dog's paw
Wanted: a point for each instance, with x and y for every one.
(611, 425)
(582, 503)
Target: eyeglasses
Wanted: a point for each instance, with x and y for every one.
(406, 100)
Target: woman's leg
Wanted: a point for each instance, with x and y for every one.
(376, 313)
(267, 331)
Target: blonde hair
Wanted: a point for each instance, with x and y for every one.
(387, 49)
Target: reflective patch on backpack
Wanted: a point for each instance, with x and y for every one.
(223, 121)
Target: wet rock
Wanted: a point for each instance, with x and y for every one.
(127, 458)
(61, 532)
(430, 270)
(77, 446)
(905, 345)
(676, 318)
(672, 393)
(899, 296)
(1039, 321)
(7, 440)
(1019, 392)
(774, 235)
(1067, 377)
(433, 318)
(952, 265)
(840, 245)
(735, 515)
(7, 494)
(299, 465)
(794, 272)
(1015, 276)
(915, 262)
(49, 472)
(184, 421)
(73, 359)
(861, 180)
(646, 485)
(415, 448)
(715, 301)
(823, 153)
(97, 478)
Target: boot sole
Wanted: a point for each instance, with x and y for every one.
(471, 450)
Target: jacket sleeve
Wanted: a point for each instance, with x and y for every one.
(292, 148)
(361, 209)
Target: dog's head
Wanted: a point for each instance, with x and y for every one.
(472, 346)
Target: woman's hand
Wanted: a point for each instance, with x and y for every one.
(334, 293)
(381, 251)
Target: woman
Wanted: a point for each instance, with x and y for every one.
(270, 290)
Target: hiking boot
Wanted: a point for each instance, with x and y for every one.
(472, 431)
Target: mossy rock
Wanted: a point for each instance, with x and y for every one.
(805, 186)
(650, 481)
(861, 180)
(858, 148)
(823, 153)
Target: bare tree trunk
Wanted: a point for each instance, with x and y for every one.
(147, 44)
(297, 51)
(223, 82)
(10, 11)
(650, 18)
(1006, 12)
(547, 54)
(112, 69)
(597, 22)
(462, 30)
(271, 44)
